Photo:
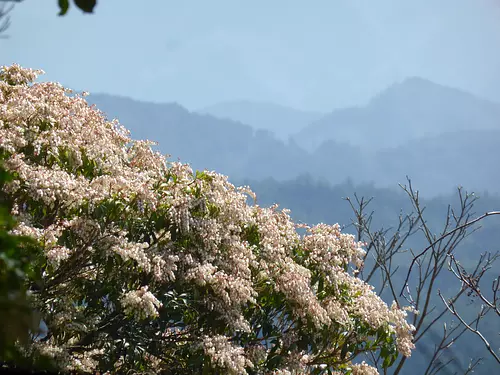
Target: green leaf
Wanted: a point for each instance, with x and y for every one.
(387, 361)
(343, 352)
(63, 6)
(86, 5)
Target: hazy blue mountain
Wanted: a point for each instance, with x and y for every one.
(204, 141)
(439, 163)
(442, 149)
(412, 109)
(281, 120)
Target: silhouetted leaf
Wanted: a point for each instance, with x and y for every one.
(86, 5)
(63, 7)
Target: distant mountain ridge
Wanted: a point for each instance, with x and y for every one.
(281, 120)
(467, 157)
(440, 137)
(204, 141)
(412, 109)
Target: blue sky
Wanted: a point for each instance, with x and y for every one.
(318, 55)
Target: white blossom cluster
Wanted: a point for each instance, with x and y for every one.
(364, 369)
(85, 362)
(103, 195)
(226, 355)
(141, 303)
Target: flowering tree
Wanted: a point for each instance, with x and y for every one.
(147, 266)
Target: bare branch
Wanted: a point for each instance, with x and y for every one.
(441, 238)
(5, 9)
(450, 306)
(471, 280)
(385, 244)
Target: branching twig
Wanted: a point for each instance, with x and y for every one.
(435, 242)
(451, 307)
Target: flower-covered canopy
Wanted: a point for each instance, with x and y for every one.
(147, 266)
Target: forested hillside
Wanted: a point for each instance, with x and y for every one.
(282, 121)
(439, 140)
(412, 109)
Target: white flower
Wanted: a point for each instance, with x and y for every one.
(226, 355)
(141, 303)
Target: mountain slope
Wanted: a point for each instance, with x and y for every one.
(412, 109)
(437, 163)
(204, 141)
(441, 163)
(281, 120)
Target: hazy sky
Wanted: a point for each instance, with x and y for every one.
(319, 54)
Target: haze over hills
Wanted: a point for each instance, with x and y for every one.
(468, 158)
(203, 140)
(282, 121)
(412, 109)
(436, 135)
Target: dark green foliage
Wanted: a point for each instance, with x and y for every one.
(19, 322)
(86, 6)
